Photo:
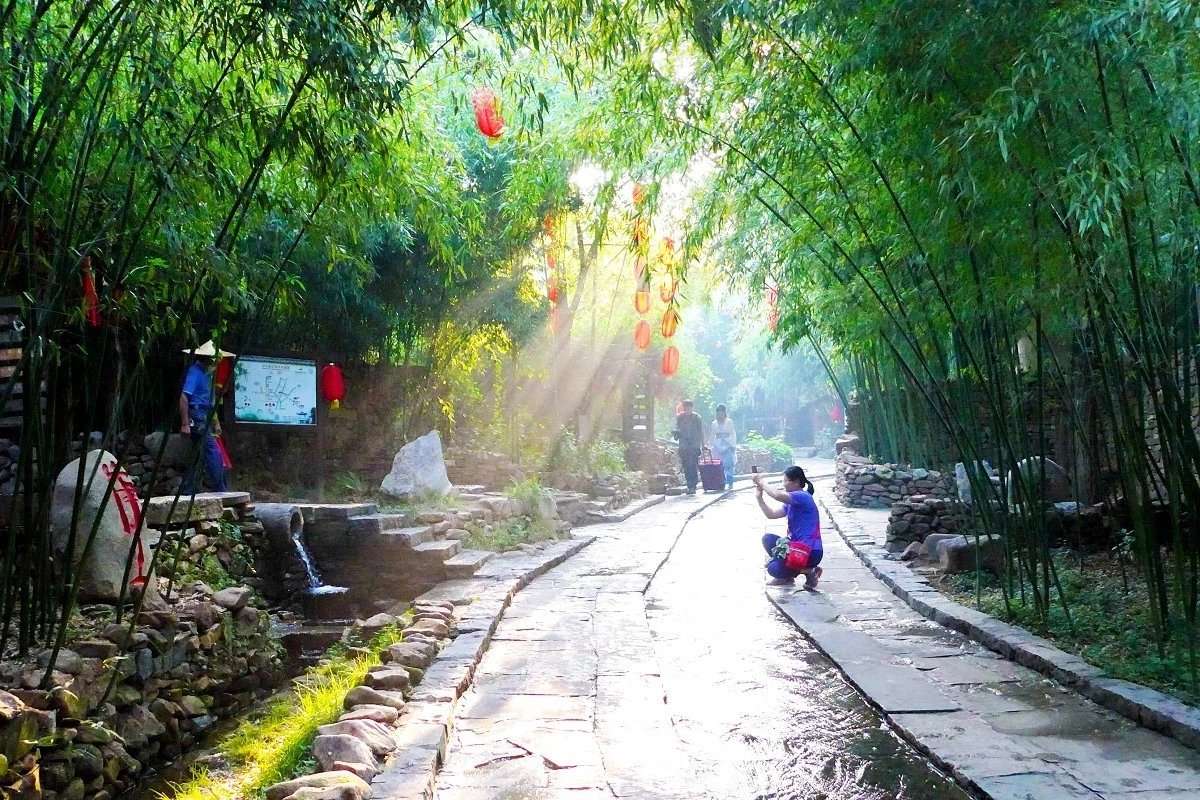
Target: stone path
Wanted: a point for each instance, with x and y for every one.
(569, 677)
(698, 688)
(1002, 729)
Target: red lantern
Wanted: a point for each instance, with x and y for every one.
(487, 113)
(670, 323)
(641, 335)
(91, 300)
(552, 289)
(639, 194)
(639, 266)
(773, 319)
(641, 300)
(333, 386)
(223, 373)
(670, 361)
(667, 289)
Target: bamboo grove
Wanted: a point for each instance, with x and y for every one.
(177, 171)
(989, 211)
(984, 210)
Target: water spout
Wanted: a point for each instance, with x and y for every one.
(310, 569)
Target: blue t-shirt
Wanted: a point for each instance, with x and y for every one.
(197, 385)
(804, 520)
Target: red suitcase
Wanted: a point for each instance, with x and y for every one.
(712, 474)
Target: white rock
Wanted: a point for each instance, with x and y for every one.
(418, 468)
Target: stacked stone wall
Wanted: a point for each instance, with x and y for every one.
(122, 701)
(863, 484)
(916, 517)
(493, 471)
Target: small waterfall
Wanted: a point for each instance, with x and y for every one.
(310, 569)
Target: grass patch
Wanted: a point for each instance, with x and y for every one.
(1109, 624)
(509, 534)
(274, 744)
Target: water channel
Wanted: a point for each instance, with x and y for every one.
(762, 713)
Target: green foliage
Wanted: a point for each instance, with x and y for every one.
(530, 493)
(509, 534)
(274, 744)
(1109, 624)
(600, 459)
(781, 451)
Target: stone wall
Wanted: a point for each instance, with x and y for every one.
(493, 471)
(658, 461)
(917, 516)
(121, 700)
(866, 485)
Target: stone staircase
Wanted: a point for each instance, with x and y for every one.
(385, 556)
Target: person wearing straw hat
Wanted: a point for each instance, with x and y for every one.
(196, 418)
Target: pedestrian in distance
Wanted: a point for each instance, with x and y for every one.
(800, 552)
(689, 432)
(198, 420)
(724, 443)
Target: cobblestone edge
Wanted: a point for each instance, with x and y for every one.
(1147, 707)
(423, 731)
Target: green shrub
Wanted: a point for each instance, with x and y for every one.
(605, 459)
(601, 459)
(781, 451)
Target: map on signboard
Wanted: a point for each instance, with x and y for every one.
(275, 391)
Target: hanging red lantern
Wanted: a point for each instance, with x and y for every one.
(91, 300)
(670, 361)
(487, 113)
(773, 319)
(223, 372)
(641, 300)
(667, 289)
(552, 289)
(548, 226)
(333, 386)
(772, 296)
(670, 323)
(641, 335)
(639, 194)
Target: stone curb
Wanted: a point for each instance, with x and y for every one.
(423, 731)
(1147, 707)
(628, 511)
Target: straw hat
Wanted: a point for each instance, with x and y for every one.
(208, 350)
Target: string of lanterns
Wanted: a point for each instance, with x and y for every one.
(553, 293)
(667, 290)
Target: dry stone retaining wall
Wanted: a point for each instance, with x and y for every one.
(866, 485)
(120, 701)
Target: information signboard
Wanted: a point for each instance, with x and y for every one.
(275, 391)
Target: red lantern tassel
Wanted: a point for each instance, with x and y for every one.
(91, 300)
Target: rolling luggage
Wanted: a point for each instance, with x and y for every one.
(712, 474)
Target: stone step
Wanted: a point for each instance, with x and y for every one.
(323, 512)
(439, 551)
(466, 563)
(404, 537)
(375, 523)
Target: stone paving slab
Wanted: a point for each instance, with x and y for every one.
(1005, 731)
(566, 701)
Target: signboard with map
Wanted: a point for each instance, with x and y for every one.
(275, 391)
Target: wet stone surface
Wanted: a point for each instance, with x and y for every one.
(698, 688)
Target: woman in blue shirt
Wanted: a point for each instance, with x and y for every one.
(801, 552)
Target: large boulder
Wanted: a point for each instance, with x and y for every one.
(1037, 471)
(418, 468)
(178, 452)
(101, 571)
(958, 554)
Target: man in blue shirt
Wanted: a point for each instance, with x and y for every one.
(196, 419)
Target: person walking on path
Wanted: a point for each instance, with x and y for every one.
(689, 432)
(197, 420)
(724, 443)
(801, 552)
